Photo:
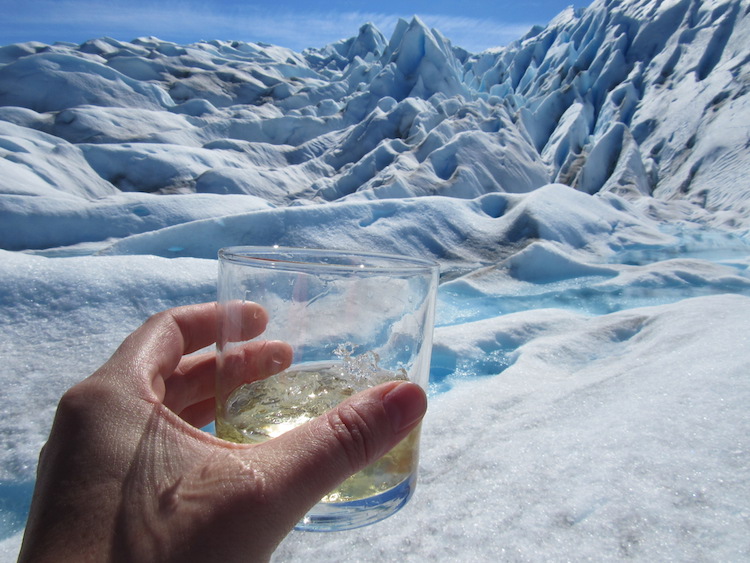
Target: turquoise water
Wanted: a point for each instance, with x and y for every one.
(460, 303)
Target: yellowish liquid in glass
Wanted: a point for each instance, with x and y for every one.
(262, 410)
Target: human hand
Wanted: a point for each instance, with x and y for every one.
(126, 475)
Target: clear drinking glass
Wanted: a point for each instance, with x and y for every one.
(353, 320)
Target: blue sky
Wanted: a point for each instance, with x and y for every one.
(474, 25)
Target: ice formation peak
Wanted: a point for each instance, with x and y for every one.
(627, 96)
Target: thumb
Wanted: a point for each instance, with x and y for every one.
(310, 461)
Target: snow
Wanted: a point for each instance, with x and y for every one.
(583, 188)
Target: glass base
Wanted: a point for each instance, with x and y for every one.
(339, 516)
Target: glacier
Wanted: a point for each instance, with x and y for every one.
(584, 189)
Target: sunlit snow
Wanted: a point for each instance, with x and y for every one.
(584, 189)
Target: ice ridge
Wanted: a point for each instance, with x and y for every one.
(632, 97)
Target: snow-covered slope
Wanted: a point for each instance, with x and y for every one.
(584, 188)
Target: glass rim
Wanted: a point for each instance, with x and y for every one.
(312, 260)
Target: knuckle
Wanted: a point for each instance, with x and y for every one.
(84, 405)
(76, 400)
(353, 435)
(169, 322)
(162, 318)
(76, 418)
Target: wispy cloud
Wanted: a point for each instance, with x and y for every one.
(476, 34)
(186, 22)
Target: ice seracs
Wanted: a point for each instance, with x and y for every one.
(633, 97)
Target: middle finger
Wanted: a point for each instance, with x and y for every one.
(194, 380)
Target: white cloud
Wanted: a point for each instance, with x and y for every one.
(475, 34)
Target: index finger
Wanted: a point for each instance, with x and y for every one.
(156, 348)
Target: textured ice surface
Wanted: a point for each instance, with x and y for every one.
(584, 189)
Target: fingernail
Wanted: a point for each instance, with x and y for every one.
(277, 363)
(404, 404)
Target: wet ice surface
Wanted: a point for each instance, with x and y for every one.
(584, 190)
